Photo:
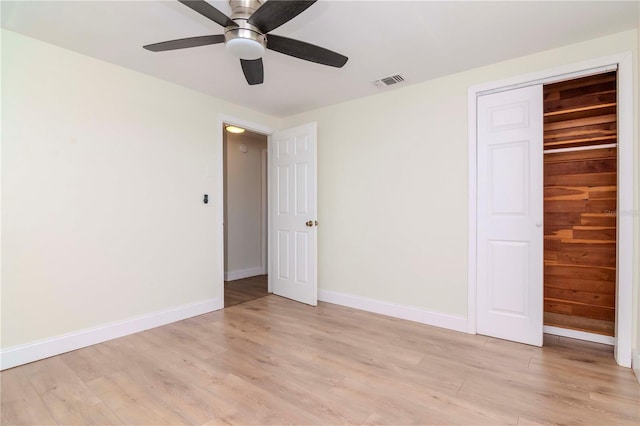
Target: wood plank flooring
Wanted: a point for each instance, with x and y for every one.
(275, 361)
(244, 290)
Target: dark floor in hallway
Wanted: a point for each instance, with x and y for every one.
(244, 290)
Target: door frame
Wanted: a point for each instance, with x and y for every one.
(624, 282)
(219, 199)
(264, 211)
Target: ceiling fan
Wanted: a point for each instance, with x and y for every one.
(246, 34)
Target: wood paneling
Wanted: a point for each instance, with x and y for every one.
(580, 193)
(581, 323)
(580, 112)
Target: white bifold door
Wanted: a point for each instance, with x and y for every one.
(510, 215)
(293, 214)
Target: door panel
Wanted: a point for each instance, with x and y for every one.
(506, 179)
(295, 248)
(302, 185)
(509, 277)
(510, 215)
(283, 190)
(283, 255)
(302, 257)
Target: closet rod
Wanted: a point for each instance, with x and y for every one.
(580, 148)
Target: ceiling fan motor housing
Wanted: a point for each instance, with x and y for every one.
(243, 9)
(244, 41)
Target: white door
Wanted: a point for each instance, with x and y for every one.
(510, 214)
(293, 214)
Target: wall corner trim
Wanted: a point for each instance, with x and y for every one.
(411, 313)
(45, 348)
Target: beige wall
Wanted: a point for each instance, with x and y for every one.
(103, 175)
(393, 183)
(243, 202)
(103, 172)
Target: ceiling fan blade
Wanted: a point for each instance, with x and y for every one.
(253, 71)
(206, 10)
(274, 13)
(308, 52)
(184, 43)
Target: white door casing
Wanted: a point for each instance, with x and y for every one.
(510, 215)
(293, 235)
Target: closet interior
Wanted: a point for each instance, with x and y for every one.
(580, 199)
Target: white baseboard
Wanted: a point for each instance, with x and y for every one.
(635, 364)
(581, 335)
(45, 348)
(244, 273)
(411, 313)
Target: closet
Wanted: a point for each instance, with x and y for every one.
(580, 199)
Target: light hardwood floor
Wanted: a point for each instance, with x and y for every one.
(275, 361)
(244, 290)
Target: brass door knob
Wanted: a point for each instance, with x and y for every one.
(309, 223)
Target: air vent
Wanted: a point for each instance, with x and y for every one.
(389, 81)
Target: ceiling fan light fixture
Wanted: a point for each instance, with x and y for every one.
(245, 48)
(234, 129)
(245, 41)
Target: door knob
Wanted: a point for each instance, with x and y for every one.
(309, 223)
(539, 224)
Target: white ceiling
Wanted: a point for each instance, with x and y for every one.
(421, 40)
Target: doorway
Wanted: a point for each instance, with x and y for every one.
(624, 203)
(291, 222)
(245, 215)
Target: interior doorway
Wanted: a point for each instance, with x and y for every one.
(244, 215)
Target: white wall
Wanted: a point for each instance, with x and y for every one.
(243, 205)
(393, 185)
(103, 175)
